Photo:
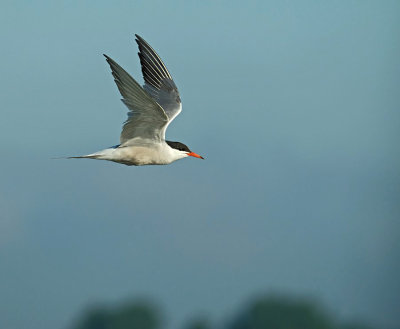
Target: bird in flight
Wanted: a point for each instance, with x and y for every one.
(151, 109)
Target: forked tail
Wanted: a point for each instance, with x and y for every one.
(89, 156)
(101, 155)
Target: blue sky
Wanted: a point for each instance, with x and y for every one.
(295, 106)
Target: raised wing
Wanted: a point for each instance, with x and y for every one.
(158, 81)
(146, 118)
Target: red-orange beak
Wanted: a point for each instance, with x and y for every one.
(192, 154)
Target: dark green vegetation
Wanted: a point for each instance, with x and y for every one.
(270, 312)
(129, 315)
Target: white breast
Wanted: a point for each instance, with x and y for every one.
(146, 154)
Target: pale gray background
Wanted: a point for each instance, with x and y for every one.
(294, 104)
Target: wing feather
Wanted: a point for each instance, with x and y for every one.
(146, 118)
(158, 80)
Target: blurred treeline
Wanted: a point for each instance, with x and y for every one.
(269, 312)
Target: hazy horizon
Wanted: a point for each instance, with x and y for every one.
(294, 105)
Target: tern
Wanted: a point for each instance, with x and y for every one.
(151, 109)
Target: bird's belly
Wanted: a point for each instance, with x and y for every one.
(139, 156)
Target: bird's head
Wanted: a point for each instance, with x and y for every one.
(183, 150)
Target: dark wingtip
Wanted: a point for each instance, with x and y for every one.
(109, 60)
(139, 40)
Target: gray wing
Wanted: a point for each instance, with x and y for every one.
(158, 81)
(146, 118)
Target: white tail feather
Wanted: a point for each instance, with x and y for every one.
(102, 155)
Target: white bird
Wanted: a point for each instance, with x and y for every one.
(151, 110)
